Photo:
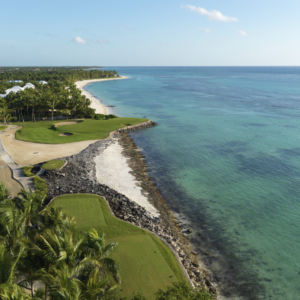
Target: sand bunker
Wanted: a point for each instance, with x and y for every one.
(66, 134)
(27, 153)
(65, 123)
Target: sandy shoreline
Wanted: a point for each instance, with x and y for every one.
(95, 103)
(113, 170)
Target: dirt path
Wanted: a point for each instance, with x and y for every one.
(27, 153)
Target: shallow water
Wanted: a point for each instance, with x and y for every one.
(226, 155)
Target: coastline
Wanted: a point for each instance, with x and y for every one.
(133, 162)
(80, 176)
(127, 170)
(95, 102)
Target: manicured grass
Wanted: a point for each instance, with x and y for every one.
(3, 127)
(46, 132)
(53, 164)
(146, 263)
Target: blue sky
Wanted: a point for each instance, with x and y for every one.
(150, 33)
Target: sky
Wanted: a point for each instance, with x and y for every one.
(150, 33)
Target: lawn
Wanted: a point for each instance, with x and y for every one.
(146, 263)
(53, 164)
(3, 127)
(85, 130)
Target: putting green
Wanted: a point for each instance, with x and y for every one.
(146, 263)
(53, 164)
(85, 130)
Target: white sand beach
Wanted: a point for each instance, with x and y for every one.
(112, 170)
(100, 108)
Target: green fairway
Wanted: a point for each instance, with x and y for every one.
(3, 127)
(46, 132)
(146, 263)
(53, 164)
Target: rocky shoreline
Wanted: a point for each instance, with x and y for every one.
(79, 176)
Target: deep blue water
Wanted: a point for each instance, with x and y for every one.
(226, 156)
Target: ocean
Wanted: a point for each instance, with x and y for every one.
(226, 157)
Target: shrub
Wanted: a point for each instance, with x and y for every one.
(111, 116)
(27, 171)
(183, 291)
(99, 116)
(41, 187)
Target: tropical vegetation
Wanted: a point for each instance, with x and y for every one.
(27, 171)
(43, 255)
(39, 246)
(60, 95)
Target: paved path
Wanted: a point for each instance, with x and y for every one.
(10, 174)
(27, 153)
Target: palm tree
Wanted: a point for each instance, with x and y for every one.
(14, 292)
(95, 287)
(30, 204)
(13, 222)
(64, 284)
(29, 268)
(56, 220)
(94, 246)
(8, 264)
(66, 101)
(52, 103)
(4, 192)
(5, 112)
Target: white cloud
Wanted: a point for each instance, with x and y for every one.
(163, 43)
(100, 41)
(242, 32)
(207, 30)
(211, 15)
(79, 40)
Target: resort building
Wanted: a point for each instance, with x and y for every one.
(17, 88)
(17, 81)
(14, 89)
(43, 82)
(28, 86)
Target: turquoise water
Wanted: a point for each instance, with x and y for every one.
(226, 156)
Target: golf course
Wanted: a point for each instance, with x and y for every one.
(146, 263)
(47, 132)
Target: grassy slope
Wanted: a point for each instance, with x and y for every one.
(146, 263)
(46, 132)
(3, 127)
(53, 164)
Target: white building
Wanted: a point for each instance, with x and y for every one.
(2, 95)
(28, 86)
(17, 88)
(43, 82)
(17, 81)
(14, 89)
